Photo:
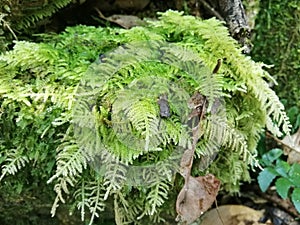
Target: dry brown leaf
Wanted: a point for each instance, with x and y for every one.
(198, 193)
(196, 197)
(126, 21)
(292, 148)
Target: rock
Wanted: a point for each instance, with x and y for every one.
(232, 215)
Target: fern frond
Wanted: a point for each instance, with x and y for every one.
(219, 131)
(126, 209)
(81, 197)
(115, 176)
(156, 196)
(96, 198)
(230, 169)
(142, 115)
(14, 162)
(273, 128)
(36, 56)
(27, 14)
(70, 161)
(60, 188)
(70, 164)
(90, 195)
(212, 46)
(238, 171)
(274, 108)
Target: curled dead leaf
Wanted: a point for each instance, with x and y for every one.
(198, 193)
(196, 197)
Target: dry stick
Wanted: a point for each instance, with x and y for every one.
(196, 130)
(197, 9)
(212, 10)
(278, 140)
(218, 212)
(6, 24)
(284, 204)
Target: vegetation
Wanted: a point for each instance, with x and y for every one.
(287, 176)
(22, 18)
(71, 92)
(277, 43)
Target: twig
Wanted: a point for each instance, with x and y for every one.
(278, 140)
(6, 24)
(218, 212)
(212, 10)
(100, 14)
(273, 198)
(197, 9)
(284, 204)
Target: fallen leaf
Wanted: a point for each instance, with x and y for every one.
(232, 215)
(196, 197)
(126, 21)
(198, 193)
(292, 147)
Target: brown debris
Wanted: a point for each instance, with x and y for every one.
(198, 193)
(196, 197)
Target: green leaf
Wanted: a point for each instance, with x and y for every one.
(294, 116)
(294, 174)
(296, 198)
(271, 156)
(283, 185)
(266, 177)
(293, 113)
(297, 123)
(282, 167)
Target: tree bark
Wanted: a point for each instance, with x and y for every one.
(233, 13)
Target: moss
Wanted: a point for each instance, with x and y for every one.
(58, 94)
(277, 42)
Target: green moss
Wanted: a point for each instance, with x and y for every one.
(277, 43)
(58, 94)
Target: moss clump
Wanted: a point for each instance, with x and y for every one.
(60, 95)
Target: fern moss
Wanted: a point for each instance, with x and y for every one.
(70, 90)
